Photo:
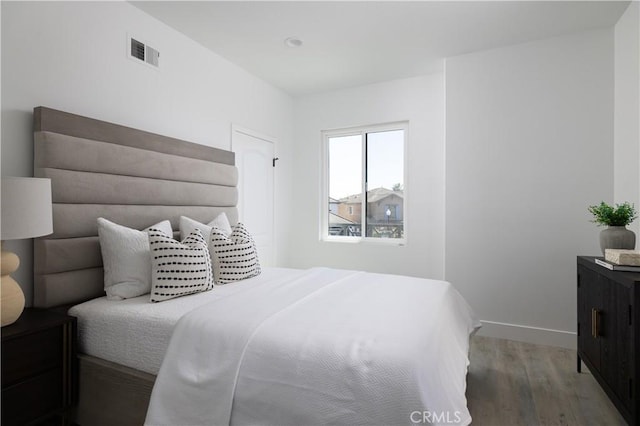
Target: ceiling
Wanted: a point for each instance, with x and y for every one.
(354, 43)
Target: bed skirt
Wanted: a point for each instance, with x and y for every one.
(111, 394)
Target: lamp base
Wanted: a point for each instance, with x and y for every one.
(11, 295)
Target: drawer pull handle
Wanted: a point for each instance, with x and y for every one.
(595, 329)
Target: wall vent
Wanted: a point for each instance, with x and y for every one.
(151, 56)
(143, 52)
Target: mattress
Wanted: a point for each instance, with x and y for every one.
(136, 333)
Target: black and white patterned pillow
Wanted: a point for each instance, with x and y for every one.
(178, 268)
(235, 257)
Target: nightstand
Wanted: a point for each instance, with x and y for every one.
(38, 368)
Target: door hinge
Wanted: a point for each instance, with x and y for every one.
(630, 314)
(630, 388)
(578, 329)
(274, 161)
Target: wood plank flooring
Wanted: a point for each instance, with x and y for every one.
(513, 383)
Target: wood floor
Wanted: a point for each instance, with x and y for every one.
(513, 383)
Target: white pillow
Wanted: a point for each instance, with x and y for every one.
(126, 258)
(235, 257)
(188, 225)
(178, 268)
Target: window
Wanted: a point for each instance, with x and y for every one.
(364, 184)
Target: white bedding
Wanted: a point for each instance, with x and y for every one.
(320, 346)
(135, 332)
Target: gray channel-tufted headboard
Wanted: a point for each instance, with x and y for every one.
(131, 177)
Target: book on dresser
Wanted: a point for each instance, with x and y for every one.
(614, 267)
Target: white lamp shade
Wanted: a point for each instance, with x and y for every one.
(25, 208)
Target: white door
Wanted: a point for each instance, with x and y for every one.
(255, 159)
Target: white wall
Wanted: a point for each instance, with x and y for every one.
(421, 102)
(627, 110)
(71, 56)
(529, 147)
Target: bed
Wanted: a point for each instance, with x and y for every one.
(290, 347)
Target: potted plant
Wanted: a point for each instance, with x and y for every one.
(616, 236)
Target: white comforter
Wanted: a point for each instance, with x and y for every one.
(323, 346)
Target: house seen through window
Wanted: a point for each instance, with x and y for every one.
(364, 183)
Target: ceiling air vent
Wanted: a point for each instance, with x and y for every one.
(140, 51)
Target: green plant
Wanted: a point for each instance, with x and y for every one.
(620, 215)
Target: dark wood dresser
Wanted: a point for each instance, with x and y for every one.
(608, 338)
(38, 368)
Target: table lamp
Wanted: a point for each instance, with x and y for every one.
(25, 213)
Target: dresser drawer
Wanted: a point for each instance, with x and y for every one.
(31, 354)
(31, 399)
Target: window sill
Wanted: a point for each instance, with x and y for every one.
(371, 241)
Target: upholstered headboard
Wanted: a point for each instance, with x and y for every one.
(131, 177)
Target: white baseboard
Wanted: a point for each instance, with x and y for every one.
(524, 333)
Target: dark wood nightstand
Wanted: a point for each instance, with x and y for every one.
(38, 368)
